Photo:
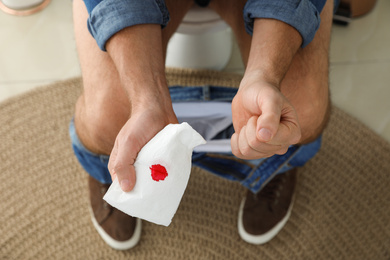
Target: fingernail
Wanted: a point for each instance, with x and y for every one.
(125, 185)
(265, 134)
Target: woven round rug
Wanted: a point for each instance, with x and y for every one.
(342, 207)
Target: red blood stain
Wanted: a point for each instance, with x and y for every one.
(159, 173)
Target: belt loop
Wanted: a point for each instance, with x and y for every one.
(206, 92)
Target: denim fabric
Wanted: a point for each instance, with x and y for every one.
(107, 17)
(94, 164)
(303, 15)
(253, 174)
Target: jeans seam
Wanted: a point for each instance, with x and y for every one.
(164, 12)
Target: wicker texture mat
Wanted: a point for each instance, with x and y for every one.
(342, 207)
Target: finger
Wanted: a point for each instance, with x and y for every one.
(255, 143)
(239, 148)
(288, 134)
(234, 145)
(243, 146)
(289, 131)
(123, 167)
(246, 151)
(282, 151)
(112, 159)
(267, 151)
(268, 121)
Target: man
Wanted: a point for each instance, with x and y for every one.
(283, 98)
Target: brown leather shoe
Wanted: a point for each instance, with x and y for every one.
(263, 215)
(118, 230)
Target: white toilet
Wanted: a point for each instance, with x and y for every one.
(202, 41)
(22, 7)
(21, 4)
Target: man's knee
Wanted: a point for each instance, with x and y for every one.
(314, 117)
(98, 124)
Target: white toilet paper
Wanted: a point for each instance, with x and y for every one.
(163, 168)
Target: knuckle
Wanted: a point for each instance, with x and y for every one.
(118, 168)
(282, 151)
(298, 138)
(252, 142)
(234, 145)
(245, 150)
(235, 151)
(275, 96)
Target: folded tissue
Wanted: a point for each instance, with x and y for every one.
(163, 168)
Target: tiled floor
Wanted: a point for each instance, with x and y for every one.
(40, 49)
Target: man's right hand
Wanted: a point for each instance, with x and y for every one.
(145, 122)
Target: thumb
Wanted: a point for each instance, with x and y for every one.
(268, 122)
(121, 166)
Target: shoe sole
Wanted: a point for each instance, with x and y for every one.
(118, 245)
(263, 238)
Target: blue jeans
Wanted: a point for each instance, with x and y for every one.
(107, 17)
(253, 174)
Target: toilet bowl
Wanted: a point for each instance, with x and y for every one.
(202, 41)
(23, 7)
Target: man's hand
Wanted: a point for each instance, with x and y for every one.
(265, 122)
(145, 122)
